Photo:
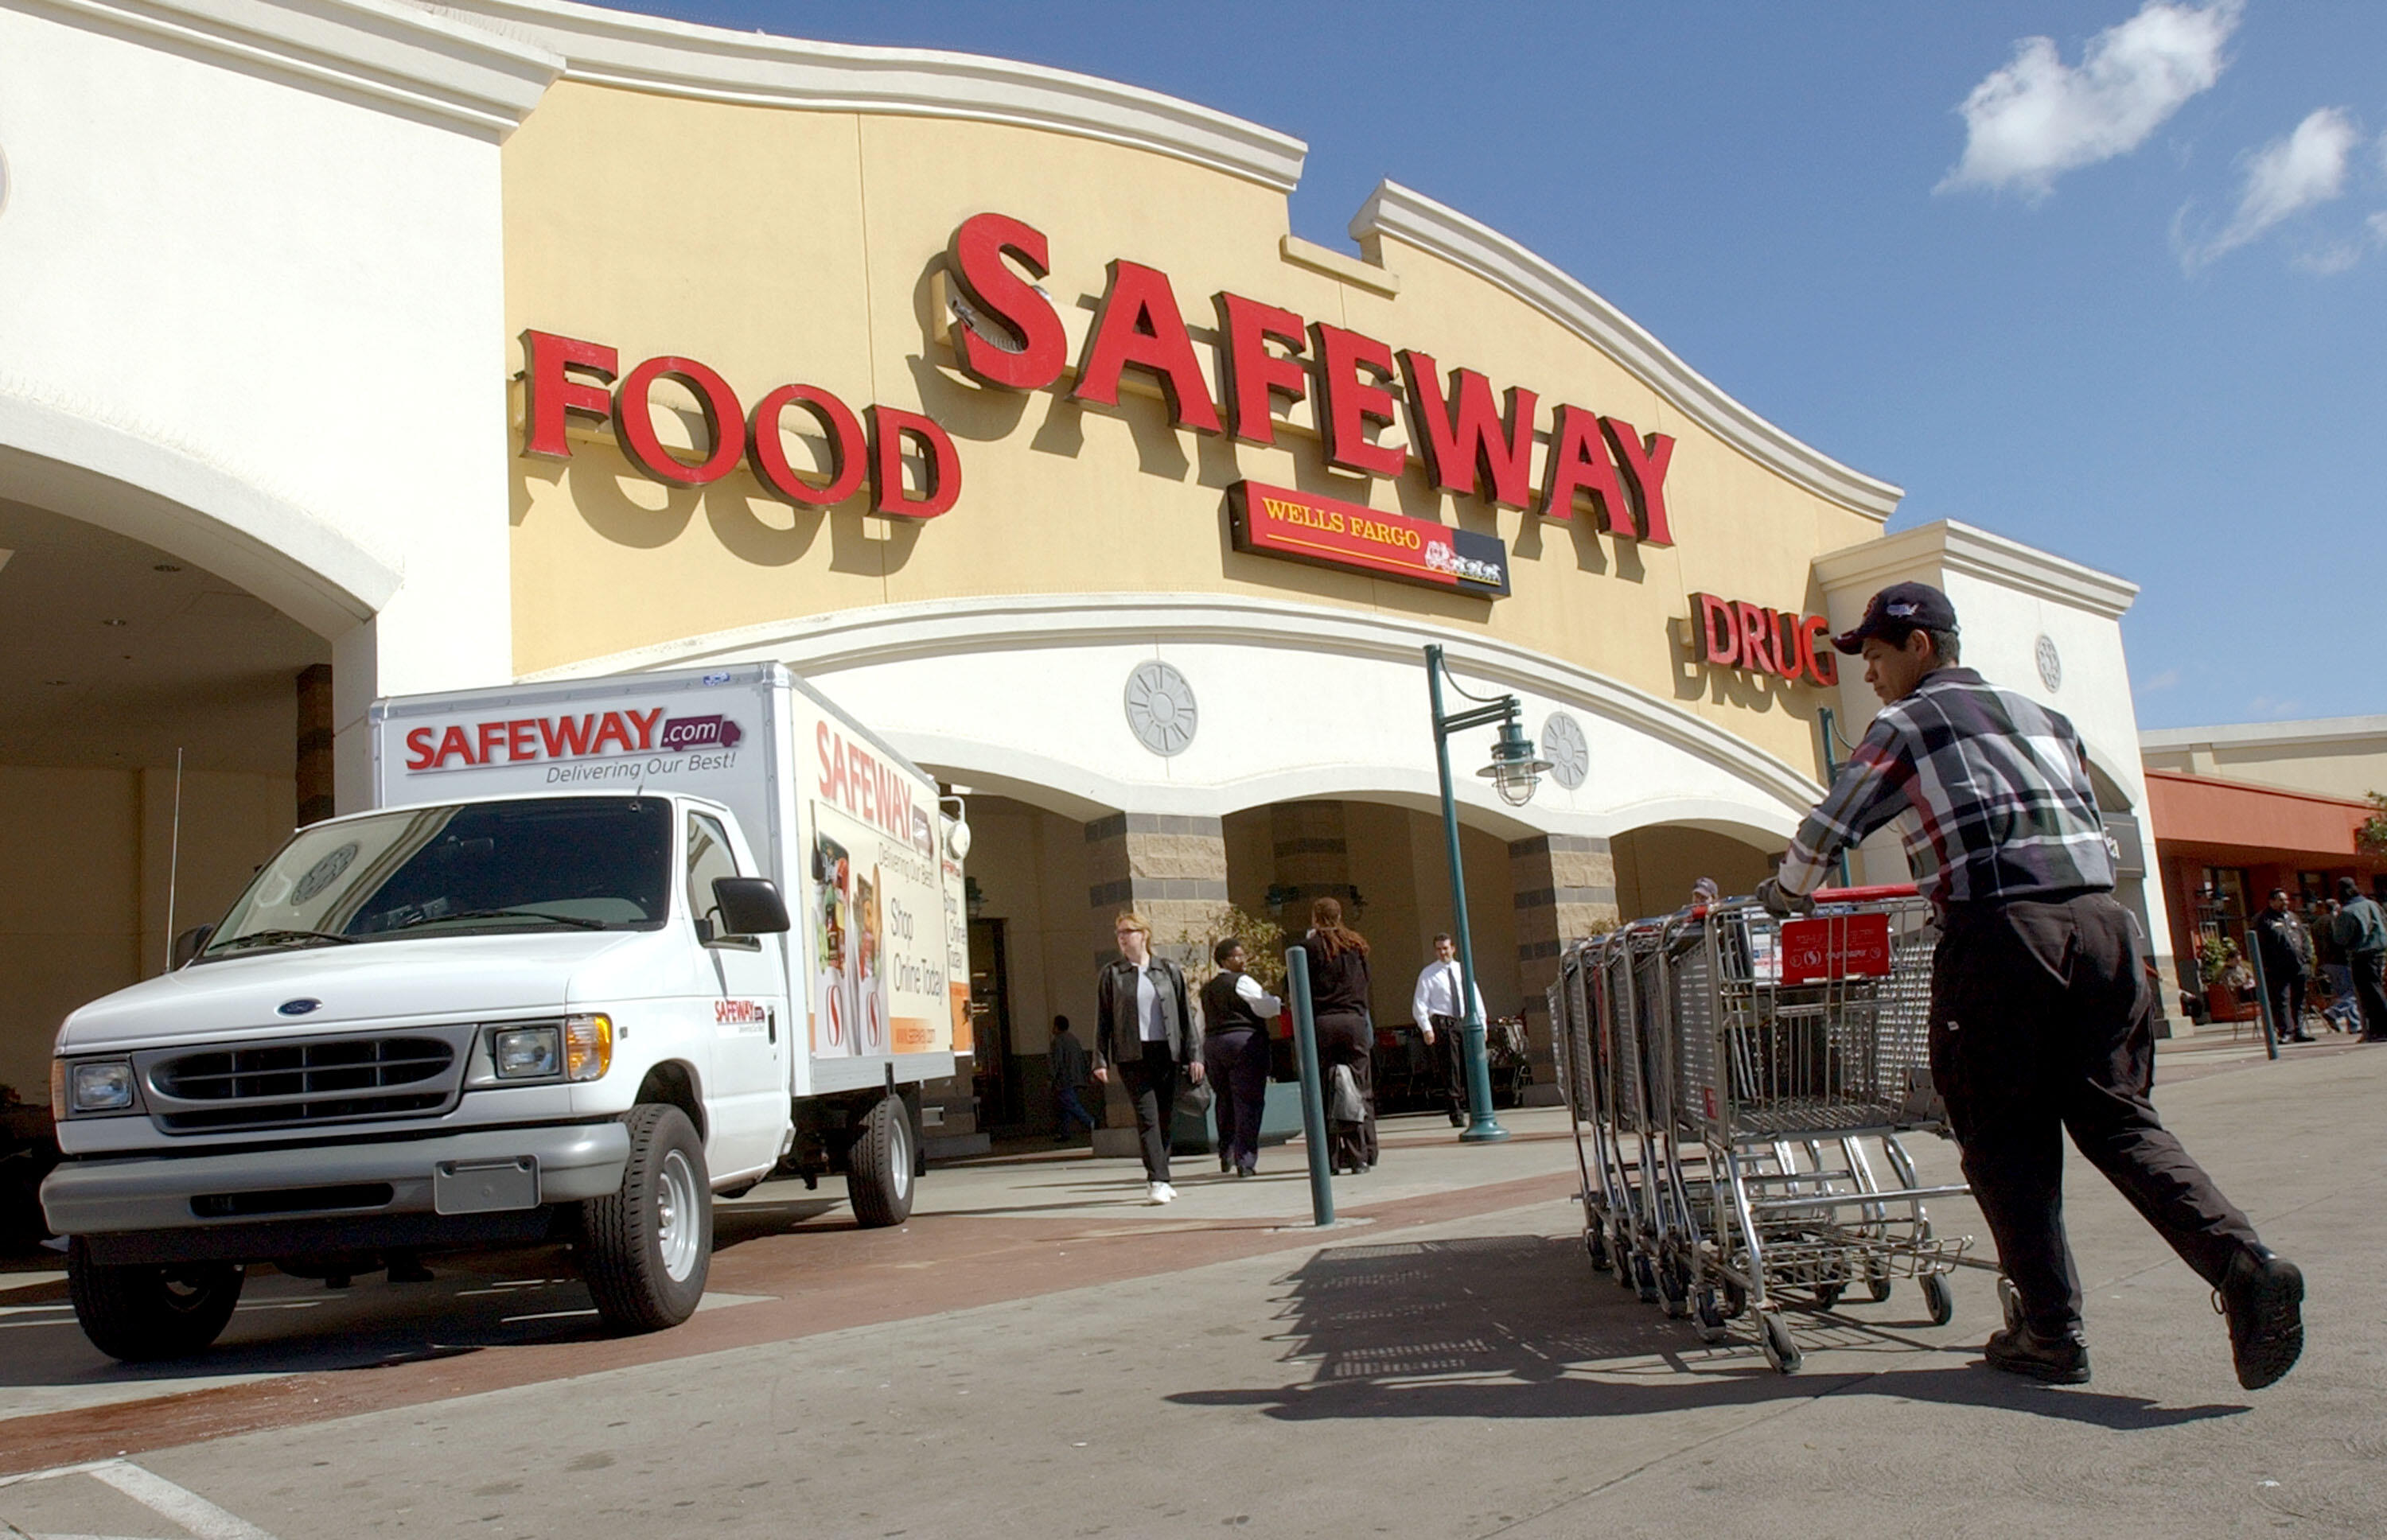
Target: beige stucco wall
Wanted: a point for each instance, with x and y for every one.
(84, 913)
(2343, 756)
(779, 245)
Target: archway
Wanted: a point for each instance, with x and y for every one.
(123, 655)
(1658, 864)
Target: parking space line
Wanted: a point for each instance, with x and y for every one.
(152, 1491)
(186, 1508)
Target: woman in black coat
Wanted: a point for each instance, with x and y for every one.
(1338, 994)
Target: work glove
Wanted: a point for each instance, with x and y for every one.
(1782, 903)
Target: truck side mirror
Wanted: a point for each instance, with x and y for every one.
(749, 906)
(187, 944)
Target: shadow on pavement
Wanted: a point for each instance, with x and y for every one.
(1518, 1326)
(284, 1325)
(293, 1325)
(734, 1223)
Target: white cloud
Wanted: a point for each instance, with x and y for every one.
(2168, 680)
(2334, 257)
(2037, 118)
(2284, 178)
(2270, 708)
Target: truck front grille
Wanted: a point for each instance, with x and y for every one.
(316, 1080)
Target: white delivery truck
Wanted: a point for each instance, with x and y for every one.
(602, 949)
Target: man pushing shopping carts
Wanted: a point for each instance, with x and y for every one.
(2042, 1017)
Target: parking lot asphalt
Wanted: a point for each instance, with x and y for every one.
(1040, 1353)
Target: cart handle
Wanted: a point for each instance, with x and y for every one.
(1822, 895)
(1864, 895)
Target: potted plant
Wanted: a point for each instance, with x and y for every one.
(2227, 978)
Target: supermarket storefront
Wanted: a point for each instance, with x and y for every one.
(1001, 402)
(1004, 404)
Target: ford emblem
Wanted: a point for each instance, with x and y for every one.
(299, 1007)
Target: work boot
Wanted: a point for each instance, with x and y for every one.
(2263, 1295)
(2054, 1360)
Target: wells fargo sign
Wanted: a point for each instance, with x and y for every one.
(1728, 633)
(1306, 528)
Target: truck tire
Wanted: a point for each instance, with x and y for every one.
(647, 1247)
(138, 1312)
(879, 1166)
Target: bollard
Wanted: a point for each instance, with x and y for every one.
(1313, 1091)
(2262, 993)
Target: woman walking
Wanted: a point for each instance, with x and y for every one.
(1338, 995)
(1144, 1027)
(1235, 1013)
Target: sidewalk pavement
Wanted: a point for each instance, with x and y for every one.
(1039, 1354)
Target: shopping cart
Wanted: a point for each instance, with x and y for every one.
(1801, 1051)
(1610, 1010)
(1739, 1085)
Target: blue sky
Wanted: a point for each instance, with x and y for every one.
(2105, 276)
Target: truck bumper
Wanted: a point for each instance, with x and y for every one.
(257, 1204)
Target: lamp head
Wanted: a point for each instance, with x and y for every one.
(1514, 769)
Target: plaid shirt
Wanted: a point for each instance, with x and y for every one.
(1995, 787)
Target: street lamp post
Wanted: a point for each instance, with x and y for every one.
(1515, 772)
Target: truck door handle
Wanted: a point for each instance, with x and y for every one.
(771, 1022)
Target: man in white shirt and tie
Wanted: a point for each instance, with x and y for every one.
(1434, 1008)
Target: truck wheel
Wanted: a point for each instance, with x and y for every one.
(647, 1247)
(879, 1166)
(141, 1311)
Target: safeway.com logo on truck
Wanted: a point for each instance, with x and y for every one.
(873, 790)
(590, 735)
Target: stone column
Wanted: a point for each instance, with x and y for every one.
(1565, 884)
(1172, 870)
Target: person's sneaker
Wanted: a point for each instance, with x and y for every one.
(2263, 1295)
(2054, 1360)
(1162, 1193)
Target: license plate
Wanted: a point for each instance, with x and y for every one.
(485, 1186)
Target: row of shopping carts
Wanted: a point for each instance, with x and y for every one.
(1740, 1084)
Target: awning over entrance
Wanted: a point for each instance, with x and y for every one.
(2198, 811)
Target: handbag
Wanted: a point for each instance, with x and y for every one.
(1194, 1101)
(1343, 1102)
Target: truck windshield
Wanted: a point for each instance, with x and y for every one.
(549, 864)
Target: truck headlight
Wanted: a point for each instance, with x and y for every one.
(587, 1046)
(105, 1086)
(526, 1053)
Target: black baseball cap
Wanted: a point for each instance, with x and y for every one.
(1900, 608)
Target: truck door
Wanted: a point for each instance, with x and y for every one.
(748, 1090)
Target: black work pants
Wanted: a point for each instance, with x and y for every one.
(1237, 1061)
(1151, 1084)
(1450, 1042)
(2287, 1001)
(2042, 1023)
(2371, 989)
(1343, 1037)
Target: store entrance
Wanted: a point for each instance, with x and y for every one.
(994, 1077)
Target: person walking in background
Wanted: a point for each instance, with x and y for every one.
(1235, 1013)
(2361, 932)
(1434, 1005)
(1067, 1061)
(1346, 1037)
(2341, 1012)
(2287, 952)
(2042, 1018)
(1144, 1027)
